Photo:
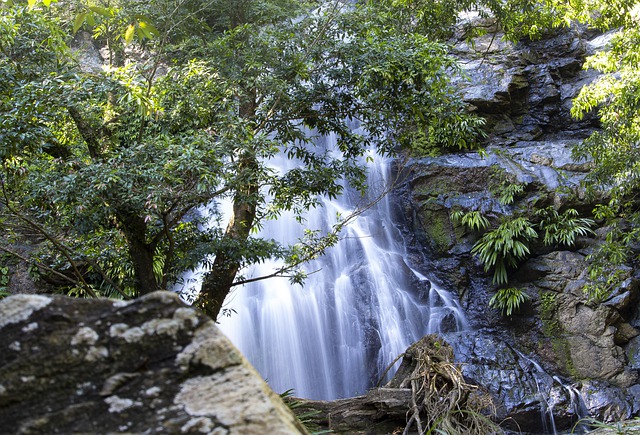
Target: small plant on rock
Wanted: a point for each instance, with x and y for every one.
(562, 229)
(505, 246)
(473, 220)
(509, 191)
(508, 300)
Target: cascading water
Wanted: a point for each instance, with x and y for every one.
(549, 396)
(363, 307)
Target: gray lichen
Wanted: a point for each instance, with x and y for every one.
(17, 308)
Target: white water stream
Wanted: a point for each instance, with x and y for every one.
(360, 309)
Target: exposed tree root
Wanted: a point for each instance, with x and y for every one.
(441, 400)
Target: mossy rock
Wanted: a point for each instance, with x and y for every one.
(438, 230)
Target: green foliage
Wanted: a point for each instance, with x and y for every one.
(114, 169)
(562, 229)
(474, 220)
(448, 132)
(523, 18)
(607, 264)
(509, 192)
(505, 246)
(117, 170)
(614, 149)
(503, 185)
(508, 300)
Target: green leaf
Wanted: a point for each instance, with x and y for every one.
(149, 30)
(101, 11)
(508, 300)
(79, 21)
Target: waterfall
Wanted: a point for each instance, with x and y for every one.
(362, 305)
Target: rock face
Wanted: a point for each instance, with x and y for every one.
(560, 345)
(152, 365)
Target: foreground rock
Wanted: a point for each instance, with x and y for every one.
(148, 366)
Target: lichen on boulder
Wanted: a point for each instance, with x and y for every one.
(152, 365)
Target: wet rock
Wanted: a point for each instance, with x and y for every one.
(624, 333)
(524, 92)
(608, 403)
(526, 397)
(633, 353)
(150, 365)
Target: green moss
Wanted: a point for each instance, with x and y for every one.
(432, 189)
(547, 309)
(552, 329)
(438, 230)
(563, 356)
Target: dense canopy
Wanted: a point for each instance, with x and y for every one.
(117, 168)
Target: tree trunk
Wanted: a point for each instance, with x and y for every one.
(218, 282)
(142, 256)
(142, 253)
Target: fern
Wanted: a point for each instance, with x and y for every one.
(562, 229)
(505, 247)
(508, 300)
(509, 191)
(474, 220)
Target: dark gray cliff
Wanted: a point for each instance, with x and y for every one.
(559, 344)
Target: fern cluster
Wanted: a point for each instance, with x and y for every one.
(474, 219)
(504, 247)
(562, 229)
(508, 244)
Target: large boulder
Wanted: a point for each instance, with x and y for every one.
(584, 340)
(152, 365)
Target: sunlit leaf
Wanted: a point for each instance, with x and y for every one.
(101, 11)
(149, 29)
(129, 33)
